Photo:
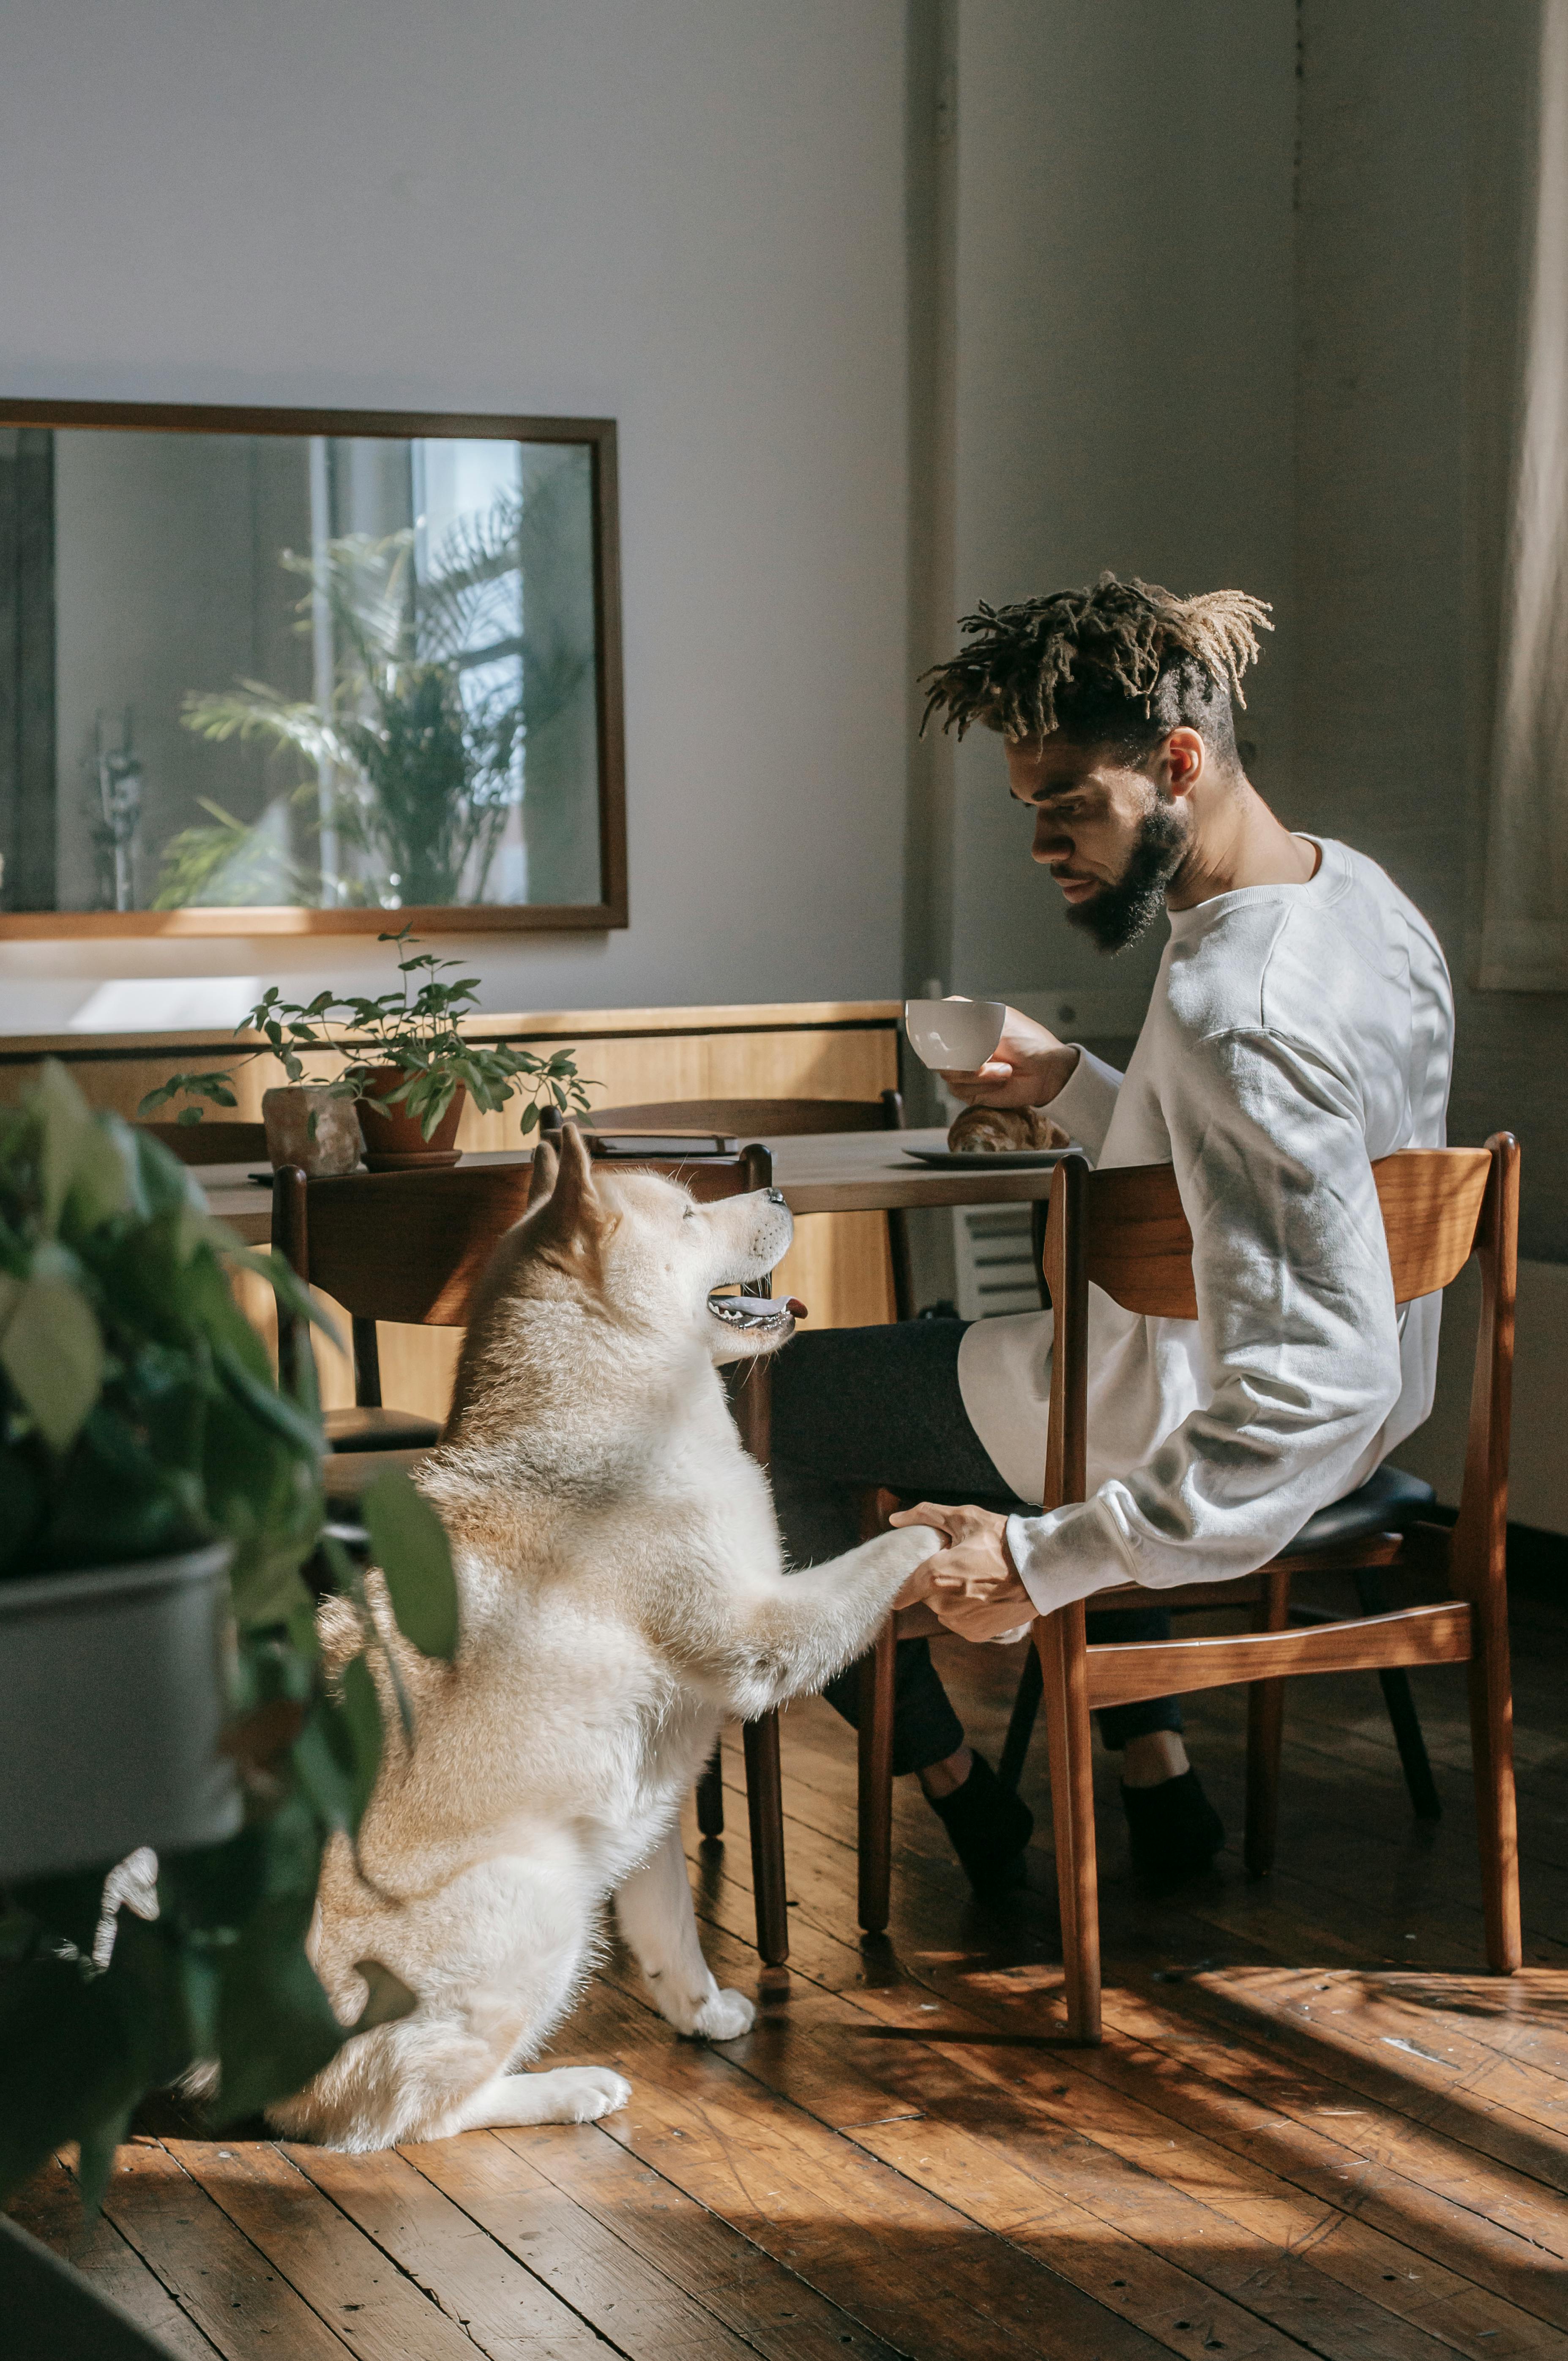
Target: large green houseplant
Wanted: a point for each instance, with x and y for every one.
(141, 1424)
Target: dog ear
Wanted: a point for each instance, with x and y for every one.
(543, 1178)
(568, 1227)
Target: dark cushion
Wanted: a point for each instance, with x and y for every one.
(379, 1430)
(346, 1475)
(1386, 1503)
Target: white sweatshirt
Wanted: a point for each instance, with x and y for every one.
(1297, 1033)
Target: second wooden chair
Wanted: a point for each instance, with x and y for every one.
(1124, 1232)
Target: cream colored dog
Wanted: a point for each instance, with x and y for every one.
(622, 1594)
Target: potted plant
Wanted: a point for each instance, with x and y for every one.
(164, 1698)
(408, 1069)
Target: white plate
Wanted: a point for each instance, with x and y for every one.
(1000, 1159)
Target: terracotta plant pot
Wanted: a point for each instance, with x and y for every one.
(393, 1140)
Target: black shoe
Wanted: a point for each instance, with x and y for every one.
(1175, 1831)
(989, 1827)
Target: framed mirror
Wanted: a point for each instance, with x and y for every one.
(271, 671)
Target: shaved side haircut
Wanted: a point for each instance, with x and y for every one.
(1115, 664)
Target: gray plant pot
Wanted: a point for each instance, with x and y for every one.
(112, 1698)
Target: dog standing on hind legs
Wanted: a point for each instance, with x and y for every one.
(622, 1594)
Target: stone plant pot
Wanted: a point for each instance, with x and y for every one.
(288, 1111)
(113, 1706)
(393, 1140)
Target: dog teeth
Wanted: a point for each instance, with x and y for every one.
(748, 1311)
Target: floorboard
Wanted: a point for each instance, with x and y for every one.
(1316, 2126)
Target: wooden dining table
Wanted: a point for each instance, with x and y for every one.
(819, 1172)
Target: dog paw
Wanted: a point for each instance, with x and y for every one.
(583, 2093)
(909, 1546)
(724, 2018)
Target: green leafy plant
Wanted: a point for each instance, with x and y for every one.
(417, 757)
(229, 863)
(139, 1418)
(417, 1031)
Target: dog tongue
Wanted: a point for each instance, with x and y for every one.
(793, 1303)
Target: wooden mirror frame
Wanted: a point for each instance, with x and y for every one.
(597, 917)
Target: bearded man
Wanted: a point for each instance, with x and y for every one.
(1300, 1029)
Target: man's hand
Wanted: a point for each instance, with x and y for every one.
(973, 1586)
(1026, 1068)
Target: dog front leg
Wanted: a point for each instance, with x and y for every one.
(654, 1909)
(809, 1626)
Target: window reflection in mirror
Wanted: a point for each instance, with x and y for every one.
(336, 673)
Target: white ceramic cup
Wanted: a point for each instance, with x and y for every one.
(955, 1035)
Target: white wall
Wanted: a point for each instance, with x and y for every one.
(1391, 686)
(1123, 374)
(685, 214)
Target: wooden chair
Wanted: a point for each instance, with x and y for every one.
(775, 1119)
(211, 1143)
(411, 1247)
(1125, 1231)
(368, 1426)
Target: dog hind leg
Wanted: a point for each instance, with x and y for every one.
(654, 1908)
(563, 2094)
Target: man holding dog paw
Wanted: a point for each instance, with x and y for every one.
(1300, 1027)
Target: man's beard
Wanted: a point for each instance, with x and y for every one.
(1117, 914)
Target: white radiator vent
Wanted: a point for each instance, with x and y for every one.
(994, 1261)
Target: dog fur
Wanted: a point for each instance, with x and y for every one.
(622, 1593)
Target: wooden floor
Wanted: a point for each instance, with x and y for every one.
(1313, 2126)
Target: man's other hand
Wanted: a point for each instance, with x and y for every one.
(974, 1589)
(1026, 1068)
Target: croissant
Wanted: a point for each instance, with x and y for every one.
(992, 1131)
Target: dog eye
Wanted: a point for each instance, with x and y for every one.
(688, 1214)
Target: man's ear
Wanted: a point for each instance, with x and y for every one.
(543, 1179)
(1184, 758)
(567, 1229)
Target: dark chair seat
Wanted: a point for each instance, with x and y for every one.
(346, 1475)
(367, 1428)
(1386, 1503)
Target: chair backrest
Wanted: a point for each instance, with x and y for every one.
(742, 1118)
(1125, 1231)
(211, 1143)
(413, 1246)
(1139, 1247)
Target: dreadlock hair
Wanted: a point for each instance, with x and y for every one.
(1120, 665)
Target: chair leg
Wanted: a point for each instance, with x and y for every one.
(1020, 1728)
(1065, 1682)
(1265, 1735)
(1492, 1745)
(764, 1808)
(875, 1748)
(902, 1268)
(710, 1796)
(1372, 1597)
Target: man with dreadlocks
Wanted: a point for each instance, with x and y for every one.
(1300, 1027)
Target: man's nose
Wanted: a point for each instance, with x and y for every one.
(1051, 842)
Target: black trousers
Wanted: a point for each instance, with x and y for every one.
(854, 1406)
